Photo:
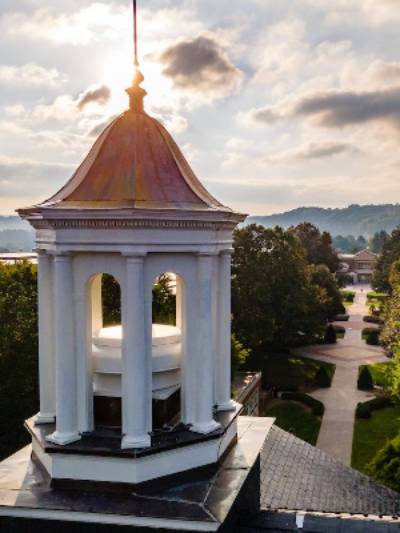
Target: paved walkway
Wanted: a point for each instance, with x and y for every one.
(340, 400)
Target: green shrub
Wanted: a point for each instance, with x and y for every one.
(373, 319)
(330, 335)
(289, 388)
(365, 381)
(338, 328)
(348, 296)
(365, 409)
(342, 318)
(385, 466)
(316, 406)
(371, 336)
(322, 378)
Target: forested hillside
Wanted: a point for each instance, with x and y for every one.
(353, 220)
(15, 234)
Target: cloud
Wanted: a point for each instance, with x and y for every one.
(201, 65)
(98, 21)
(17, 175)
(97, 128)
(336, 109)
(30, 74)
(311, 151)
(99, 95)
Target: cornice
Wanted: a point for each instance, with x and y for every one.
(111, 224)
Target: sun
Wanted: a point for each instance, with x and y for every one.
(118, 72)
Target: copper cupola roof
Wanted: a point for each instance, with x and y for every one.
(134, 163)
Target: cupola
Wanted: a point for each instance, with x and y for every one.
(111, 395)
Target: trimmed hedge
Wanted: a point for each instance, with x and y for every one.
(330, 335)
(378, 296)
(288, 388)
(339, 329)
(342, 318)
(365, 381)
(322, 378)
(373, 319)
(316, 406)
(364, 409)
(371, 336)
(348, 296)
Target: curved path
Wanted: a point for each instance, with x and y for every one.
(340, 400)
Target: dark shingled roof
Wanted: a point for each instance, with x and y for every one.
(298, 476)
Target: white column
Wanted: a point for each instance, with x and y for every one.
(136, 381)
(66, 375)
(47, 411)
(223, 366)
(206, 350)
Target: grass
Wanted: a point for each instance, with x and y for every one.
(372, 434)
(374, 295)
(379, 373)
(280, 371)
(296, 419)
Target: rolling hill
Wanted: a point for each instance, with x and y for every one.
(353, 220)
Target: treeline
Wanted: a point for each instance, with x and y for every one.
(351, 245)
(385, 467)
(18, 353)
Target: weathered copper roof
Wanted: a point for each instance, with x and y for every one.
(134, 163)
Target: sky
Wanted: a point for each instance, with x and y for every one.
(276, 104)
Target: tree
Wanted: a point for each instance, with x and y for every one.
(391, 330)
(377, 242)
(390, 254)
(317, 245)
(385, 467)
(239, 354)
(18, 353)
(321, 276)
(274, 302)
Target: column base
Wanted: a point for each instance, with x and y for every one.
(45, 418)
(63, 439)
(228, 406)
(205, 427)
(135, 442)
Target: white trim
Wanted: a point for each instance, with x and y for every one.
(97, 518)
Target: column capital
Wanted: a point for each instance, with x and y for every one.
(134, 257)
(204, 255)
(227, 252)
(61, 257)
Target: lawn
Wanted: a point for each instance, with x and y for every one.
(371, 435)
(280, 371)
(295, 418)
(379, 373)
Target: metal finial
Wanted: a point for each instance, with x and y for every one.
(135, 35)
(135, 92)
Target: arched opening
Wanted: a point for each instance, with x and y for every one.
(105, 351)
(167, 342)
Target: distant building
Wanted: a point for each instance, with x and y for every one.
(11, 258)
(359, 267)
